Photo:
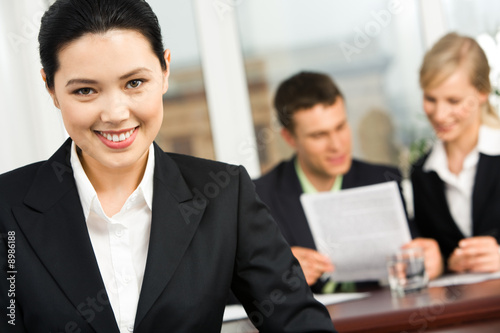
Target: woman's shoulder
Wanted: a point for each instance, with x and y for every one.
(188, 162)
(20, 174)
(417, 167)
(183, 159)
(202, 169)
(14, 184)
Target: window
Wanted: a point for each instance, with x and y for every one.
(186, 124)
(372, 49)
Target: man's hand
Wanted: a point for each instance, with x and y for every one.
(313, 263)
(475, 254)
(432, 255)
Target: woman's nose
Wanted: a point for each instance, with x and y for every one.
(115, 109)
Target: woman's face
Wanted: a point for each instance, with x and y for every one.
(109, 88)
(454, 107)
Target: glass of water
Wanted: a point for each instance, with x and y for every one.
(406, 271)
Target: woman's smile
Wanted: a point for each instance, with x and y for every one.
(118, 139)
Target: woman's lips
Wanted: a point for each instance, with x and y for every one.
(444, 128)
(118, 139)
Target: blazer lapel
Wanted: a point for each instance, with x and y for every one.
(54, 224)
(176, 216)
(485, 182)
(440, 204)
(349, 179)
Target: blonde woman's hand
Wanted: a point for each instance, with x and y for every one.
(476, 254)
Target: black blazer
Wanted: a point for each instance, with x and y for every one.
(432, 214)
(209, 234)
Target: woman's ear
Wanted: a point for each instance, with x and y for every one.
(166, 73)
(51, 91)
(483, 97)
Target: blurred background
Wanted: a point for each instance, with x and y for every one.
(228, 56)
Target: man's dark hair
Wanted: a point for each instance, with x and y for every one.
(67, 20)
(303, 91)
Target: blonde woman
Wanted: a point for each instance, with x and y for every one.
(456, 186)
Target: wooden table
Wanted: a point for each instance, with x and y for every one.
(456, 309)
(433, 308)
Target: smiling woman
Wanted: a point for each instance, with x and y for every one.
(112, 234)
(111, 105)
(456, 186)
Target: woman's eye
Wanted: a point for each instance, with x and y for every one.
(84, 91)
(429, 99)
(134, 84)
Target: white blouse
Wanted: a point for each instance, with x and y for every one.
(120, 242)
(459, 188)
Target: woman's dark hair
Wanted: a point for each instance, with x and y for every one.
(303, 91)
(67, 20)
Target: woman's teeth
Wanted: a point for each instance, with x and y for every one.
(117, 137)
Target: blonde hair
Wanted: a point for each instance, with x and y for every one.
(446, 56)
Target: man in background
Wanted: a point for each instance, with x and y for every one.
(311, 110)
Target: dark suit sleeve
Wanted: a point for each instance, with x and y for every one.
(416, 196)
(267, 278)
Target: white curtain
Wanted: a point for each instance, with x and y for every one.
(31, 127)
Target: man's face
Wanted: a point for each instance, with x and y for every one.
(322, 140)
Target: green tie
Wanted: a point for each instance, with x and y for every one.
(344, 287)
(348, 287)
(329, 287)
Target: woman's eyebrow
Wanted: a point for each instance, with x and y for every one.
(123, 77)
(135, 72)
(80, 81)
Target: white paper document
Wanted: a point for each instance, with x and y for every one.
(464, 278)
(358, 228)
(236, 311)
(328, 299)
